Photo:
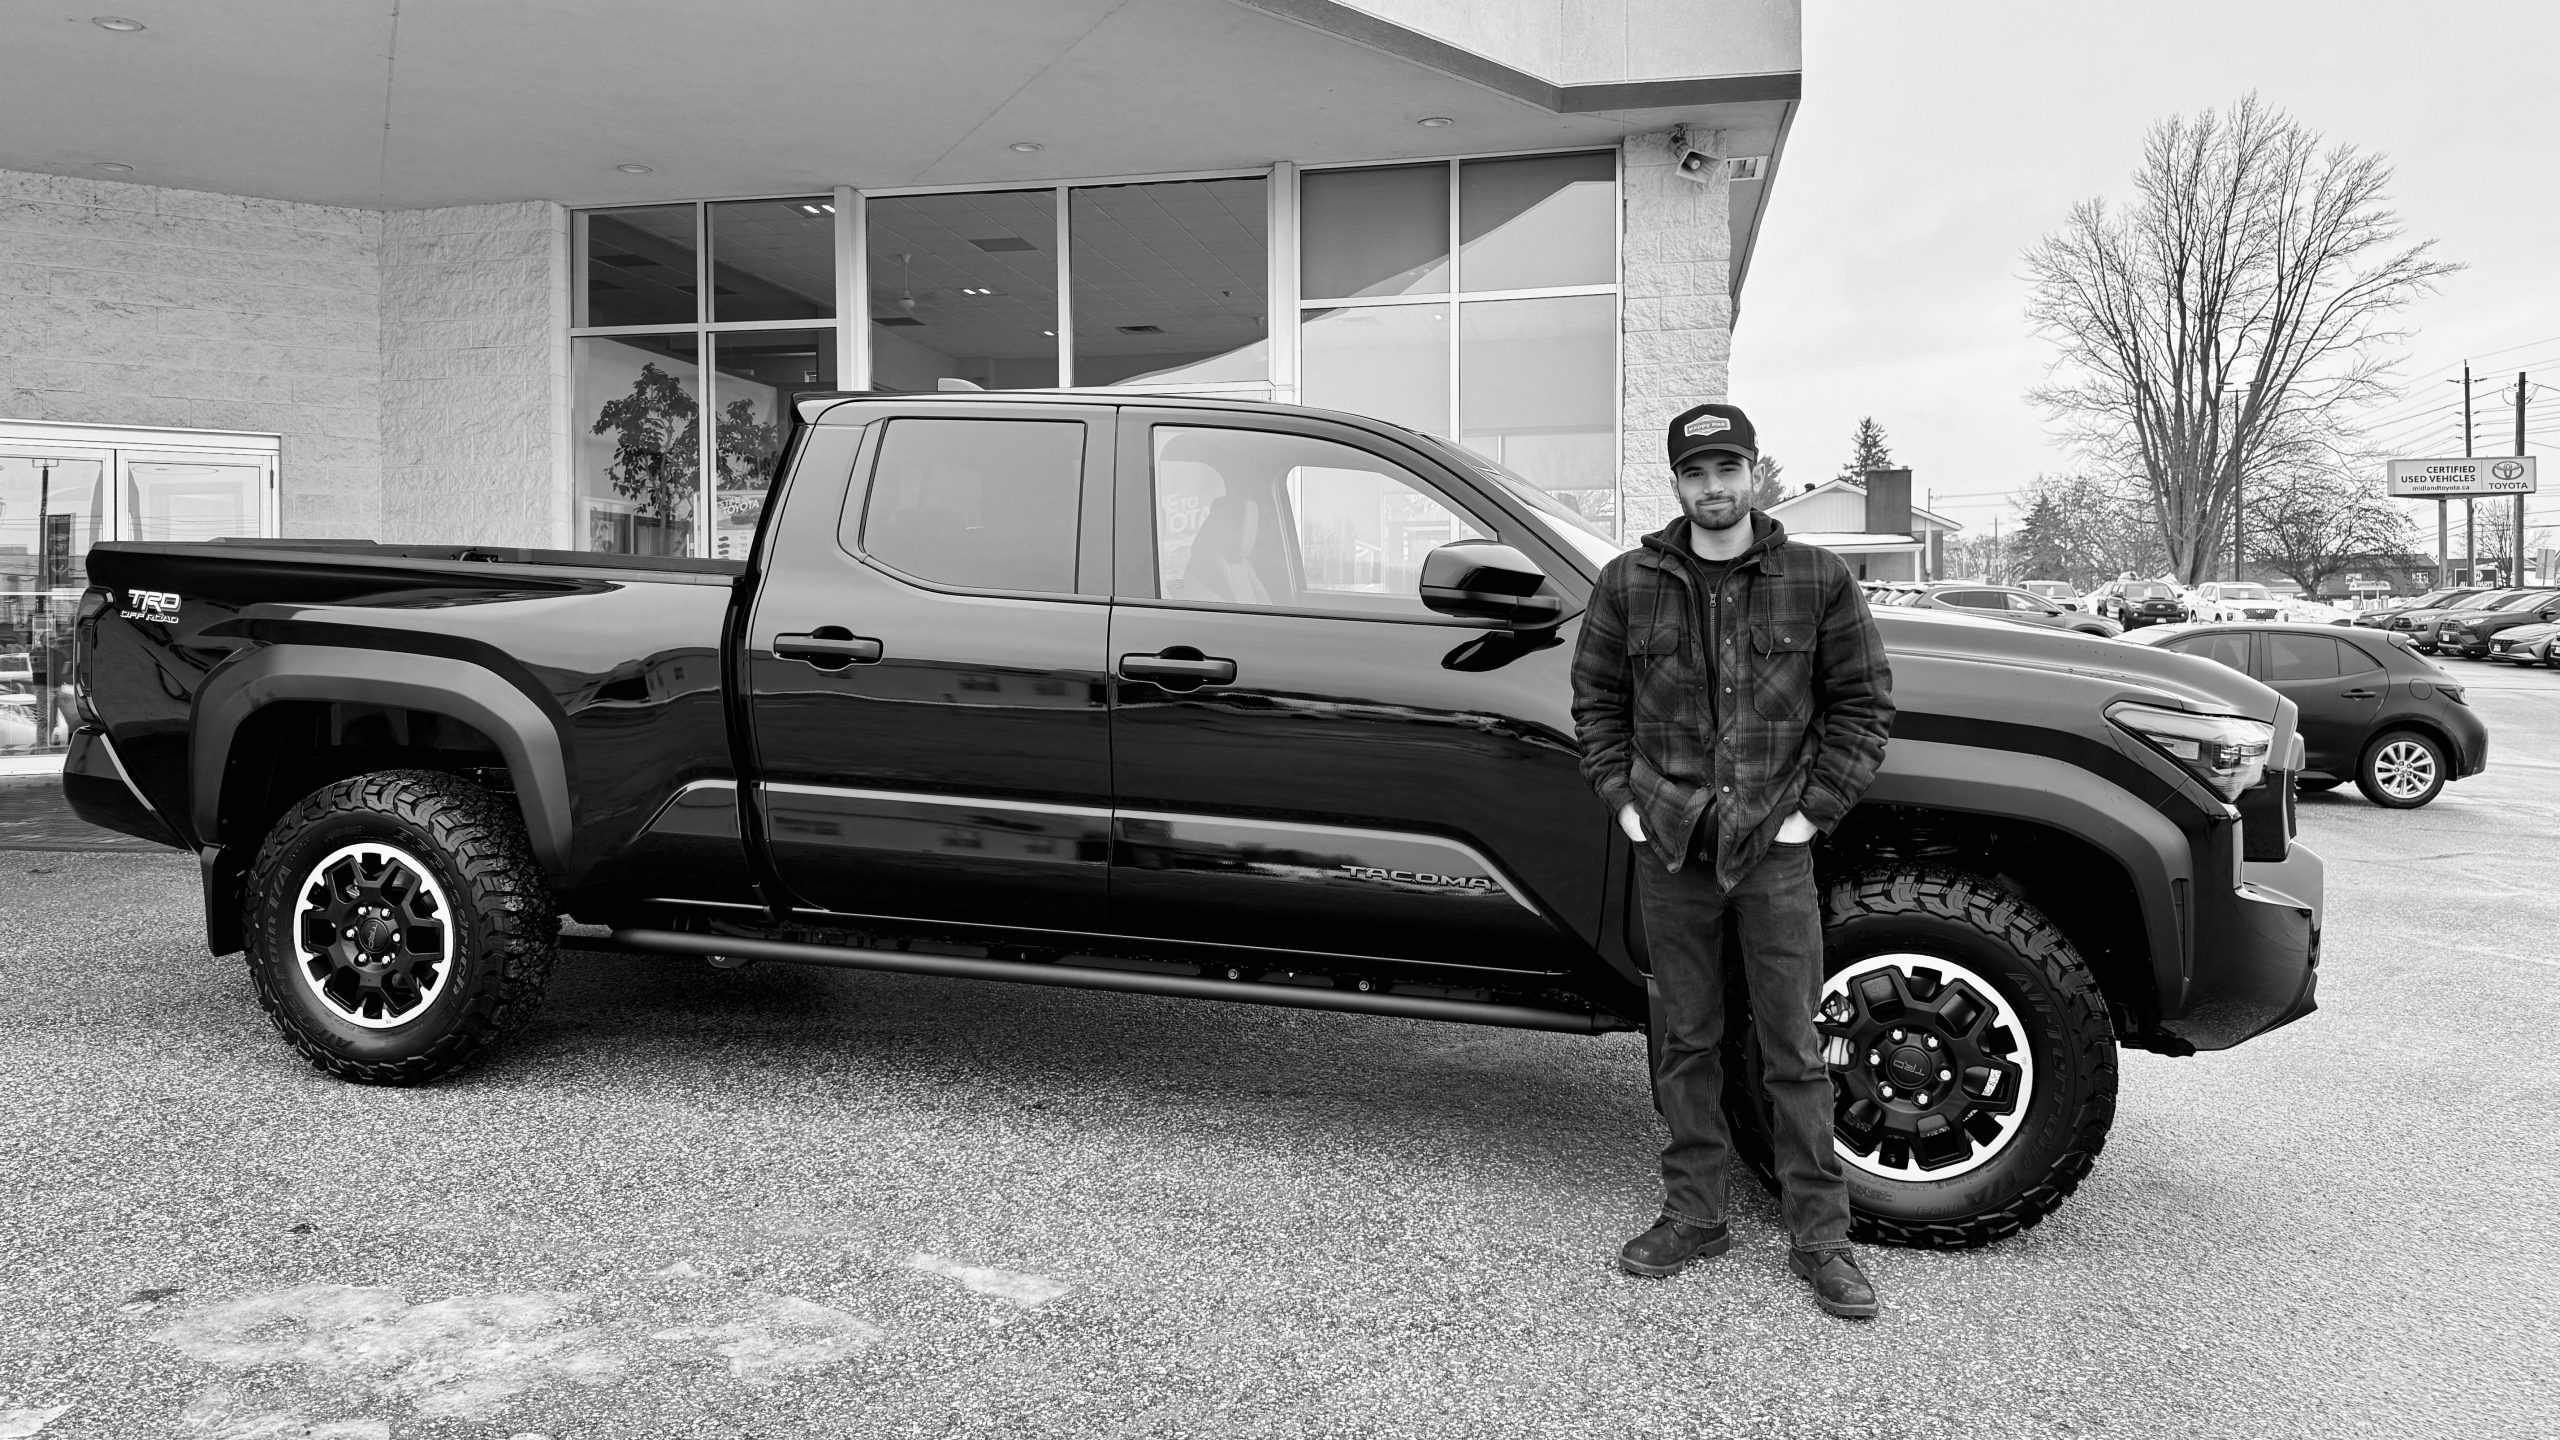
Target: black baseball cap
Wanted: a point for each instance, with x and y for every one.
(1712, 427)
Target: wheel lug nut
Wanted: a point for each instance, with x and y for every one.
(1946, 1074)
(1922, 1100)
(1873, 1058)
(1931, 1042)
(1885, 1090)
(1897, 1037)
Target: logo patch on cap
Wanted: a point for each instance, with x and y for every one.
(1705, 426)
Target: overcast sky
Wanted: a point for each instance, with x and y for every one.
(1938, 141)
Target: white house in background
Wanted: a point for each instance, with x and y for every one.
(1883, 536)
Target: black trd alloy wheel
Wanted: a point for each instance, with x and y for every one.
(398, 925)
(2401, 770)
(1973, 1070)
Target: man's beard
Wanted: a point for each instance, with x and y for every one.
(1736, 515)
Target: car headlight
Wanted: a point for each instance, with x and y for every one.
(2226, 752)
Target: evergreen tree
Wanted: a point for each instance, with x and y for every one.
(1867, 451)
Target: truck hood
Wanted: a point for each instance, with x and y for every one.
(2187, 682)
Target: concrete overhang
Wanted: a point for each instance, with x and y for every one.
(474, 101)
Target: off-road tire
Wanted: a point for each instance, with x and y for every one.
(506, 922)
(2380, 780)
(1972, 921)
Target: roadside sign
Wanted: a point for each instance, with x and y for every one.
(2461, 475)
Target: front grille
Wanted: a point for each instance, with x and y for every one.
(2266, 817)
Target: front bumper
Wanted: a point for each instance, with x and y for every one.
(2257, 953)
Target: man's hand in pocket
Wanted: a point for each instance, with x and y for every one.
(1796, 831)
(1628, 822)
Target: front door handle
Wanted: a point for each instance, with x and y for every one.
(829, 647)
(1178, 665)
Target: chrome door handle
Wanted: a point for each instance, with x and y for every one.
(829, 647)
(1178, 664)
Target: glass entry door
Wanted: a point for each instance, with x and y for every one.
(65, 488)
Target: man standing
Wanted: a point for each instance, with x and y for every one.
(1732, 700)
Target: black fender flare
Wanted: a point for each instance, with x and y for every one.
(2156, 855)
(526, 735)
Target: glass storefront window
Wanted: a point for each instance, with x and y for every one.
(1390, 361)
(636, 442)
(1170, 282)
(773, 259)
(1538, 221)
(1537, 391)
(753, 375)
(639, 266)
(52, 509)
(192, 500)
(1373, 232)
(963, 287)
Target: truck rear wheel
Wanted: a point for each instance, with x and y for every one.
(397, 926)
(1973, 1069)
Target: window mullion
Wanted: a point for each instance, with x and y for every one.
(1066, 297)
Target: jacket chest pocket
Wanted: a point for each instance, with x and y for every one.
(1782, 681)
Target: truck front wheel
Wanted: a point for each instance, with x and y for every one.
(1973, 1069)
(397, 926)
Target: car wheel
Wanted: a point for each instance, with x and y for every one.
(398, 926)
(2401, 770)
(1949, 981)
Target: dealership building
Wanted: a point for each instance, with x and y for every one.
(541, 272)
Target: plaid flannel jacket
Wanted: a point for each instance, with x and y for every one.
(1804, 695)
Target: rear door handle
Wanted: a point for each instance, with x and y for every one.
(2357, 694)
(1178, 664)
(829, 647)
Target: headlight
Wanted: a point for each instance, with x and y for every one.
(2226, 752)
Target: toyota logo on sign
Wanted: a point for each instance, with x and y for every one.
(2507, 470)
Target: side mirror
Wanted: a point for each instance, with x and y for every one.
(1485, 580)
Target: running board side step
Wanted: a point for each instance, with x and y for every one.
(1088, 977)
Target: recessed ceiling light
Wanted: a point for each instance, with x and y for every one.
(632, 169)
(1027, 147)
(1434, 122)
(118, 24)
(116, 166)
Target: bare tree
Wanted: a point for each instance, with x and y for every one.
(2224, 326)
(2315, 522)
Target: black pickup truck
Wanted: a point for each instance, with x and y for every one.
(1182, 697)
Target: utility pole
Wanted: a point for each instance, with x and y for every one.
(2516, 576)
(2470, 531)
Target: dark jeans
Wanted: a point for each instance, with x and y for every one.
(1780, 920)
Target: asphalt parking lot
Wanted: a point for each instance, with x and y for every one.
(796, 1203)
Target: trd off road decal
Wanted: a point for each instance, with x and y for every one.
(157, 605)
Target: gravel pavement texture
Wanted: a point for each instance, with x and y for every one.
(787, 1202)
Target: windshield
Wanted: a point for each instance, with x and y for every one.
(2520, 599)
(2145, 592)
(2244, 592)
(1569, 525)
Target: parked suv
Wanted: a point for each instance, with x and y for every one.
(2468, 633)
(2371, 711)
(2057, 591)
(2136, 603)
(1179, 696)
(2229, 600)
(2003, 602)
(2420, 624)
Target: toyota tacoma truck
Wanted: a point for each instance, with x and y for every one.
(1176, 696)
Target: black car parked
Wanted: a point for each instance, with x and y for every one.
(2371, 711)
(2467, 633)
(2381, 618)
(2420, 625)
(2136, 603)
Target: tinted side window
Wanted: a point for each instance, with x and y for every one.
(1968, 599)
(1250, 517)
(2225, 649)
(2301, 657)
(2029, 605)
(2354, 659)
(982, 504)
